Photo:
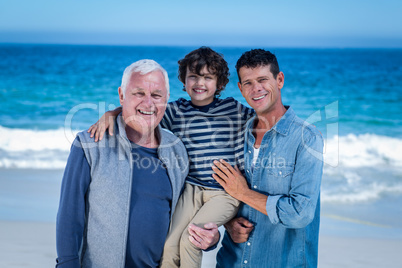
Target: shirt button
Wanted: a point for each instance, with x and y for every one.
(245, 261)
(249, 151)
(248, 243)
(255, 186)
(248, 171)
(280, 172)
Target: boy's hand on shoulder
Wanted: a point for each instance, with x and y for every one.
(105, 122)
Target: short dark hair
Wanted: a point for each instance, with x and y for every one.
(197, 59)
(256, 58)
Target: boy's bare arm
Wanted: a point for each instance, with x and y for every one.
(105, 122)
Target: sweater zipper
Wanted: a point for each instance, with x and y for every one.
(128, 210)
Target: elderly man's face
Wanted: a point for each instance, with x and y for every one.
(145, 101)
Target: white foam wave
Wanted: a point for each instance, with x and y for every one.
(364, 151)
(369, 166)
(353, 151)
(363, 193)
(38, 149)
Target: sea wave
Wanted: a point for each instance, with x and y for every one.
(364, 193)
(361, 168)
(36, 149)
(368, 166)
(364, 150)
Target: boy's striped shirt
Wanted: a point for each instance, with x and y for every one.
(211, 132)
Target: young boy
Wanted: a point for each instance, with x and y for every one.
(211, 129)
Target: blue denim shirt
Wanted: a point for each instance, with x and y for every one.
(288, 171)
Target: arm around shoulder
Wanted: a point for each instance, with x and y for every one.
(105, 122)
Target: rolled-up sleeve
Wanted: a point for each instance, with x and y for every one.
(297, 209)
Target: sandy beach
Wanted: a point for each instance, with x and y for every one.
(32, 245)
(361, 235)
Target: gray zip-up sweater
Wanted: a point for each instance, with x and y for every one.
(109, 192)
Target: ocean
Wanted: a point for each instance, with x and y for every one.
(353, 96)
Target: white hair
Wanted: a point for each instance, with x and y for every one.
(143, 67)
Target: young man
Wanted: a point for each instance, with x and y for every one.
(278, 224)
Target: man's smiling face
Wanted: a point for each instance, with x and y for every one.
(145, 99)
(260, 89)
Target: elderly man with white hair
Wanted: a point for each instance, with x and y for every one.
(118, 195)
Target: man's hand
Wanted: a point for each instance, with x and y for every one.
(230, 178)
(239, 229)
(204, 238)
(105, 122)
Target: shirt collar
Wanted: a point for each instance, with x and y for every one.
(205, 108)
(283, 125)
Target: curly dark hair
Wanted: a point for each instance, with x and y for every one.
(256, 58)
(197, 59)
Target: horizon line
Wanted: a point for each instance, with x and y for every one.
(186, 40)
(193, 45)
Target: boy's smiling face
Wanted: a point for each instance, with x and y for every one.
(201, 87)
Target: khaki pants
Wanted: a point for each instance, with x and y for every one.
(197, 205)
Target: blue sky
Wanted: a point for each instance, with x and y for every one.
(371, 23)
